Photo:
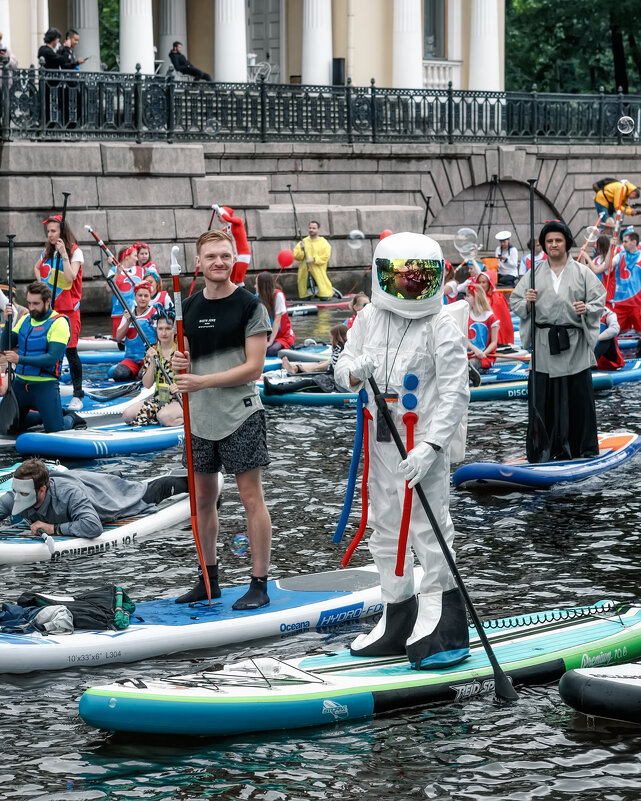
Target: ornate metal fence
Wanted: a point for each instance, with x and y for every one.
(45, 105)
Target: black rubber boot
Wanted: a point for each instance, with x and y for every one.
(199, 592)
(445, 639)
(164, 487)
(389, 635)
(255, 597)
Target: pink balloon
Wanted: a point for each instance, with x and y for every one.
(386, 232)
(286, 258)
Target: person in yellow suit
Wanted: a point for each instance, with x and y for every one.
(313, 253)
(615, 196)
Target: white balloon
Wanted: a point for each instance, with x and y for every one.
(355, 239)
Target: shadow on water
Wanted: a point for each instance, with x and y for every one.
(518, 552)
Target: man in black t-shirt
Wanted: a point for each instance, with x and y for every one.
(226, 329)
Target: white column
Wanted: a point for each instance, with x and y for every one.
(454, 40)
(5, 23)
(83, 16)
(172, 27)
(317, 42)
(230, 42)
(35, 42)
(407, 45)
(136, 36)
(484, 72)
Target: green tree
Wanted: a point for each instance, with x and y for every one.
(572, 46)
(109, 16)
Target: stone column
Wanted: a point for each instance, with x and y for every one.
(230, 42)
(407, 45)
(83, 16)
(484, 72)
(136, 36)
(317, 42)
(454, 40)
(5, 23)
(172, 27)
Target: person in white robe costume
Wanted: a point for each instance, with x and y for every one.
(416, 351)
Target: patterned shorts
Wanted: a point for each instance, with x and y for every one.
(245, 449)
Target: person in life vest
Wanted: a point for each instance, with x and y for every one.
(60, 265)
(135, 349)
(410, 342)
(623, 284)
(608, 355)
(143, 256)
(539, 256)
(36, 345)
(235, 227)
(499, 307)
(273, 298)
(159, 296)
(614, 197)
(126, 274)
(314, 253)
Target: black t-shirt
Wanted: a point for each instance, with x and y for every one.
(216, 331)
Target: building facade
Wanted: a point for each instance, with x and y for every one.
(398, 43)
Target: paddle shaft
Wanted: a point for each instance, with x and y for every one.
(10, 237)
(121, 299)
(63, 219)
(180, 341)
(311, 284)
(502, 685)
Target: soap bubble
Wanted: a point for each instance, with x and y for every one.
(240, 544)
(355, 239)
(466, 241)
(625, 125)
(592, 233)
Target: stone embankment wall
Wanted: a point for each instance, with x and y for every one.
(162, 194)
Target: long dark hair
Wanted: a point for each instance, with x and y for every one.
(68, 238)
(266, 287)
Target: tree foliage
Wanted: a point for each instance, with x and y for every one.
(572, 45)
(109, 16)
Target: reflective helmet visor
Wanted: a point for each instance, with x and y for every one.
(410, 279)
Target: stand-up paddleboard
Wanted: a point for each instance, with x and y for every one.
(158, 628)
(302, 309)
(499, 391)
(631, 371)
(18, 546)
(100, 357)
(98, 343)
(117, 439)
(103, 389)
(612, 692)
(614, 450)
(109, 410)
(306, 353)
(342, 302)
(264, 694)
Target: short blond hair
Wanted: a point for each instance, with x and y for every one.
(213, 236)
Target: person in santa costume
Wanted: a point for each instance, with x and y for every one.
(413, 346)
(235, 227)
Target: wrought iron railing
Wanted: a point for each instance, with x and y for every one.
(57, 105)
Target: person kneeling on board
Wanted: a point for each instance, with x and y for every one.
(416, 350)
(77, 503)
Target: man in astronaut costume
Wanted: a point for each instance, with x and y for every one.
(417, 354)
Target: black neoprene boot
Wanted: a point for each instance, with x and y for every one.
(164, 487)
(199, 592)
(388, 637)
(255, 597)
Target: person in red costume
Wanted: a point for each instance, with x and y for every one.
(499, 307)
(235, 227)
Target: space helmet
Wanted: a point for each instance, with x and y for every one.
(407, 275)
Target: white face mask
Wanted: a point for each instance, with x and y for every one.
(24, 494)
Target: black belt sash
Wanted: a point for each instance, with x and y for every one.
(558, 337)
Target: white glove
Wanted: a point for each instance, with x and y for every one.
(363, 367)
(418, 463)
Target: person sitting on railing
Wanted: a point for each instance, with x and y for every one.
(181, 64)
(53, 58)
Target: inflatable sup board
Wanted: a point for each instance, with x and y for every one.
(612, 692)
(157, 628)
(260, 694)
(614, 449)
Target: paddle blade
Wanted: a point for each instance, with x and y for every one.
(503, 688)
(9, 412)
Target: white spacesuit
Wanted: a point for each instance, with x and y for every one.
(417, 354)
